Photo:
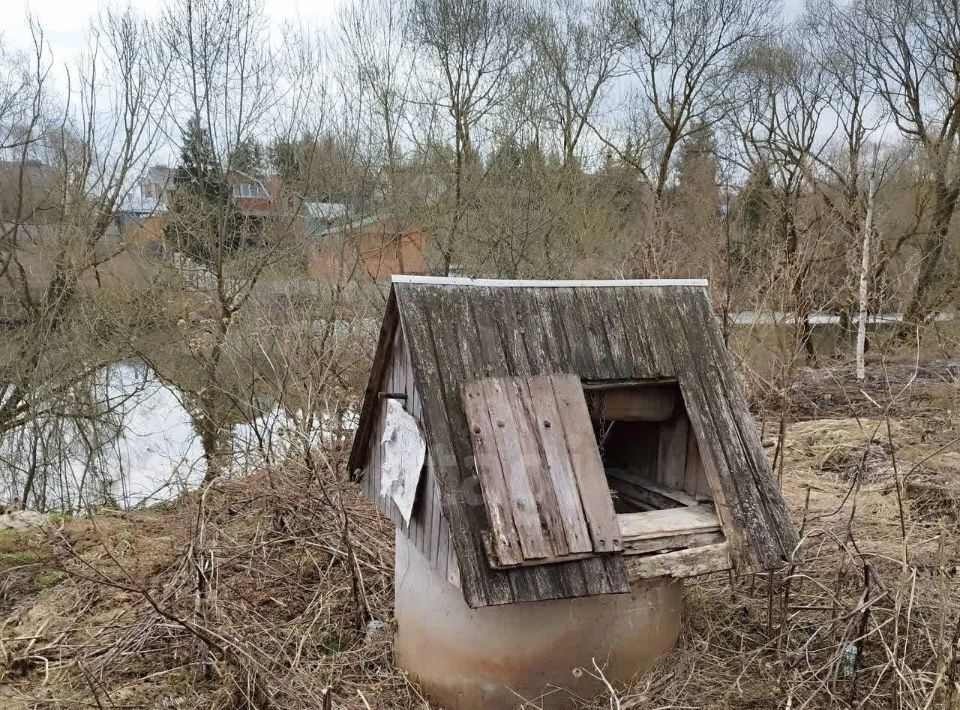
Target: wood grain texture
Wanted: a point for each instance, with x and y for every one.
(497, 497)
(655, 494)
(682, 563)
(672, 456)
(552, 438)
(520, 467)
(649, 403)
(674, 521)
(694, 477)
(531, 486)
(587, 466)
(680, 541)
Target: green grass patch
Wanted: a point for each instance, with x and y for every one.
(58, 517)
(48, 579)
(10, 541)
(20, 557)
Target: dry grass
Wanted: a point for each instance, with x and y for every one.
(260, 592)
(869, 616)
(253, 593)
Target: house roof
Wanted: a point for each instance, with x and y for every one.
(460, 330)
(142, 205)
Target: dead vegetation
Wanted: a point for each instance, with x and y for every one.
(275, 590)
(869, 615)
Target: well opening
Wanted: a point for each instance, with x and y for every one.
(652, 463)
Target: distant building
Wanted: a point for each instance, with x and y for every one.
(377, 247)
(320, 217)
(155, 182)
(261, 201)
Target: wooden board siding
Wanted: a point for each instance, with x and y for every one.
(427, 528)
(754, 514)
(543, 483)
(459, 331)
(451, 342)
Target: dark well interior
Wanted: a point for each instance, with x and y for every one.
(649, 452)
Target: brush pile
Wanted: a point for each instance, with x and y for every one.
(274, 591)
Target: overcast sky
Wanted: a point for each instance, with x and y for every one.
(65, 21)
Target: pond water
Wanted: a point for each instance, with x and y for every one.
(149, 451)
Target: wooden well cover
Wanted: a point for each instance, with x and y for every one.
(540, 471)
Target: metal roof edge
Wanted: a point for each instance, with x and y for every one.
(537, 283)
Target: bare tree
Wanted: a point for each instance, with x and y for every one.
(224, 85)
(81, 153)
(683, 59)
(577, 50)
(911, 50)
(379, 71)
(864, 292)
(784, 103)
(472, 47)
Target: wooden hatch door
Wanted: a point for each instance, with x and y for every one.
(540, 471)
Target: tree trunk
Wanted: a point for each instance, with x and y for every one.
(930, 254)
(865, 276)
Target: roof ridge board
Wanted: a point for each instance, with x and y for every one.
(544, 283)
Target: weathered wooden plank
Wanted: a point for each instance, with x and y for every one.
(673, 521)
(492, 315)
(723, 461)
(397, 383)
(378, 368)
(587, 466)
(545, 507)
(496, 493)
(433, 539)
(480, 588)
(535, 312)
(443, 539)
(565, 311)
(529, 433)
(593, 322)
(682, 563)
(453, 569)
(641, 313)
(672, 458)
(694, 477)
(467, 335)
(600, 307)
(656, 494)
(501, 312)
(563, 481)
(778, 517)
(639, 403)
(765, 544)
(643, 363)
(680, 541)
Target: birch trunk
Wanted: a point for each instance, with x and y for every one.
(865, 275)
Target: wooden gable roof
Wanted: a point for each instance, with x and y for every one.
(459, 330)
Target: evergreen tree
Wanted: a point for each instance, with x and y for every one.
(202, 223)
(199, 173)
(247, 157)
(697, 173)
(285, 159)
(753, 215)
